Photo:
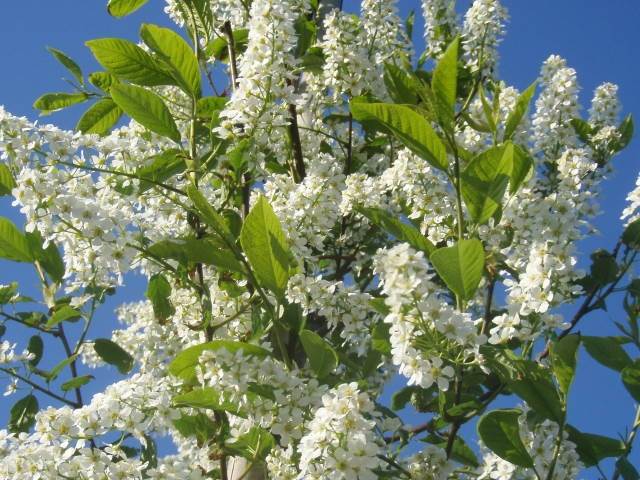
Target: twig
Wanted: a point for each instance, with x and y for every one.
(40, 388)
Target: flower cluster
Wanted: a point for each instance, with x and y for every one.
(482, 31)
(340, 441)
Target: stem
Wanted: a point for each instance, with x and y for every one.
(233, 67)
(296, 145)
(455, 426)
(486, 323)
(123, 174)
(72, 366)
(556, 453)
(629, 441)
(347, 169)
(40, 388)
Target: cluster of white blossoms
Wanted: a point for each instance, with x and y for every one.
(556, 106)
(441, 24)
(284, 412)
(258, 104)
(60, 445)
(481, 33)
(352, 280)
(232, 11)
(91, 216)
(8, 353)
(341, 440)
(310, 209)
(418, 314)
(342, 307)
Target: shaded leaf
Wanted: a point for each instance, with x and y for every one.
(404, 232)
(500, 432)
(113, 354)
(322, 357)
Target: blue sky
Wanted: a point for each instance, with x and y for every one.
(598, 38)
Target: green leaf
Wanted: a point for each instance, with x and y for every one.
(121, 8)
(380, 338)
(7, 183)
(607, 351)
(208, 214)
(129, 62)
(207, 398)
(528, 380)
(593, 448)
(400, 84)
(197, 251)
(8, 292)
(102, 80)
(604, 268)
(519, 111)
(322, 357)
(207, 107)
(149, 452)
(146, 108)
(162, 167)
(62, 314)
(499, 430)
(113, 354)
(36, 347)
(485, 181)
(177, 54)
(51, 102)
(76, 382)
(583, 129)
(68, 63)
(253, 445)
(49, 258)
(265, 246)
(313, 60)
(100, 117)
(627, 470)
(403, 396)
(158, 292)
(404, 232)
(13, 244)
(563, 361)
(185, 363)
(199, 426)
(631, 379)
(219, 50)
(631, 235)
(460, 266)
(55, 371)
(444, 83)
(626, 132)
(522, 167)
(306, 31)
(411, 128)
(23, 414)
